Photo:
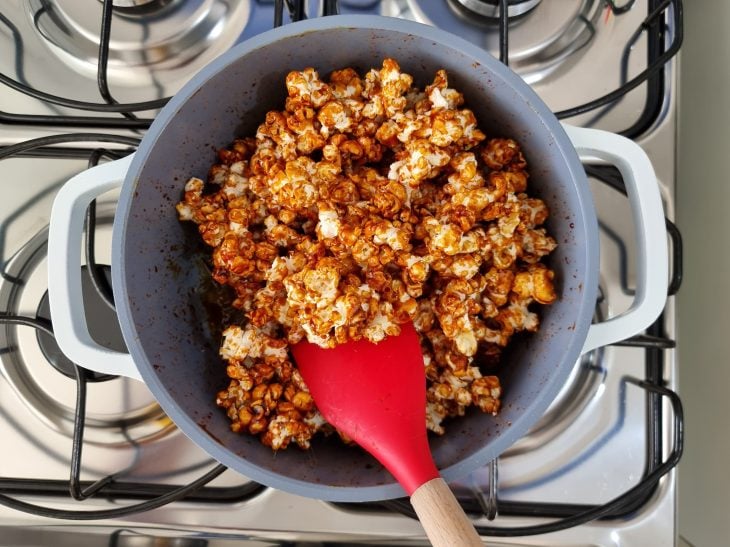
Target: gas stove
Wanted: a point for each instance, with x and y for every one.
(80, 83)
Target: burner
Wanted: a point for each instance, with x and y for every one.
(145, 34)
(104, 329)
(119, 411)
(490, 9)
(543, 36)
(139, 6)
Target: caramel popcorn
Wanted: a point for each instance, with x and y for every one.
(364, 204)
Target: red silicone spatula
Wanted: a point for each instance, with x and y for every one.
(376, 394)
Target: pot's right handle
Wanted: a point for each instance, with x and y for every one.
(652, 271)
(64, 270)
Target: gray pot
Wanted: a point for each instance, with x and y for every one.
(172, 347)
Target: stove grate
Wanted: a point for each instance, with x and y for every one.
(486, 504)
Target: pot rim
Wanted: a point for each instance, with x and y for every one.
(583, 315)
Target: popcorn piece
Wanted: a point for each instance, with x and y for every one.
(440, 95)
(307, 86)
(329, 222)
(346, 84)
(420, 160)
(239, 344)
(536, 283)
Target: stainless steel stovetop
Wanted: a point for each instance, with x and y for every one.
(595, 443)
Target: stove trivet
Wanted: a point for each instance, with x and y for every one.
(119, 412)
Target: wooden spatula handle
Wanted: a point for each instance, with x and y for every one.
(442, 517)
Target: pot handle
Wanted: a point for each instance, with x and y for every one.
(72, 200)
(64, 272)
(652, 258)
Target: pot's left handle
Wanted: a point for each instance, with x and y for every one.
(64, 270)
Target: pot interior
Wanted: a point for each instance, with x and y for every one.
(171, 320)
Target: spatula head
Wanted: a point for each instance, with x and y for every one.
(376, 395)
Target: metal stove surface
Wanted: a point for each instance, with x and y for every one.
(588, 450)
